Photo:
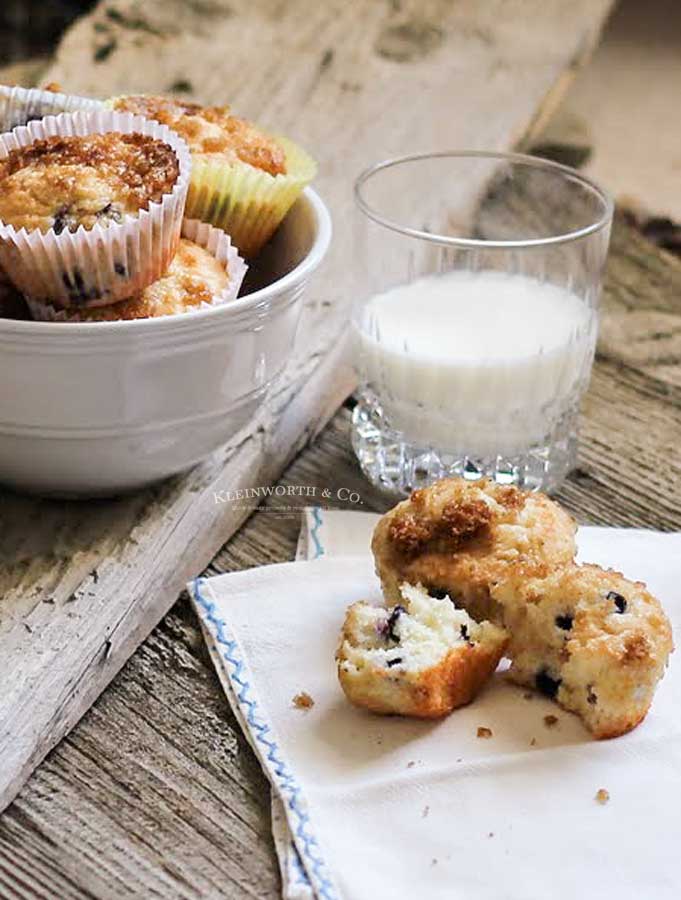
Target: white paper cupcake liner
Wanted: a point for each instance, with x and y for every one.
(108, 262)
(212, 239)
(19, 105)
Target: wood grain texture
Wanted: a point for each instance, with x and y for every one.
(83, 584)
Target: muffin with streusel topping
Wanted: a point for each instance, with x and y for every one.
(193, 279)
(243, 179)
(206, 271)
(65, 182)
(91, 206)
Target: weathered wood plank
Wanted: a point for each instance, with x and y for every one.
(83, 584)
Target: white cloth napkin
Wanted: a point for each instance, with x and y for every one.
(385, 807)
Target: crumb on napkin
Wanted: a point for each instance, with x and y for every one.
(484, 732)
(303, 701)
(602, 796)
(550, 721)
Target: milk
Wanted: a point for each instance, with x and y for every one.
(476, 362)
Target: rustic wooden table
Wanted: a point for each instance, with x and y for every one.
(155, 792)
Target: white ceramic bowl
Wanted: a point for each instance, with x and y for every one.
(105, 407)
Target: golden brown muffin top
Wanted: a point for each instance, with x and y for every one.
(194, 277)
(211, 131)
(63, 182)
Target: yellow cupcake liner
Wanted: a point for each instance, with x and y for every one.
(246, 202)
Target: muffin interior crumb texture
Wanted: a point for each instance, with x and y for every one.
(61, 183)
(413, 635)
(421, 657)
(211, 131)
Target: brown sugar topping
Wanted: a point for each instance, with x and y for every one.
(211, 130)
(140, 166)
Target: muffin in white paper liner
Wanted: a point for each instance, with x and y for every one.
(108, 262)
(19, 105)
(214, 240)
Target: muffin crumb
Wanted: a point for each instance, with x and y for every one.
(550, 721)
(533, 742)
(303, 701)
(602, 796)
(484, 732)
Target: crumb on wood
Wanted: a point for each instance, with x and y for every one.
(550, 721)
(602, 796)
(94, 574)
(484, 732)
(533, 742)
(303, 701)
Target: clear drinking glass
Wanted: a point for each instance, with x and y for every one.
(476, 319)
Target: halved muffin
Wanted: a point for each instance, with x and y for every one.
(243, 179)
(589, 638)
(422, 657)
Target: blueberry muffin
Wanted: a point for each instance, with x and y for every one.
(64, 182)
(458, 538)
(194, 279)
(422, 657)
(243, 179)
(592, 640)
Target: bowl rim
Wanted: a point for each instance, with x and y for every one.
(56, 330)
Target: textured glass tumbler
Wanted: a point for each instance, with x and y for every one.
(474, 328)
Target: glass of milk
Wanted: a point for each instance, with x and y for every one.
(475, 325)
